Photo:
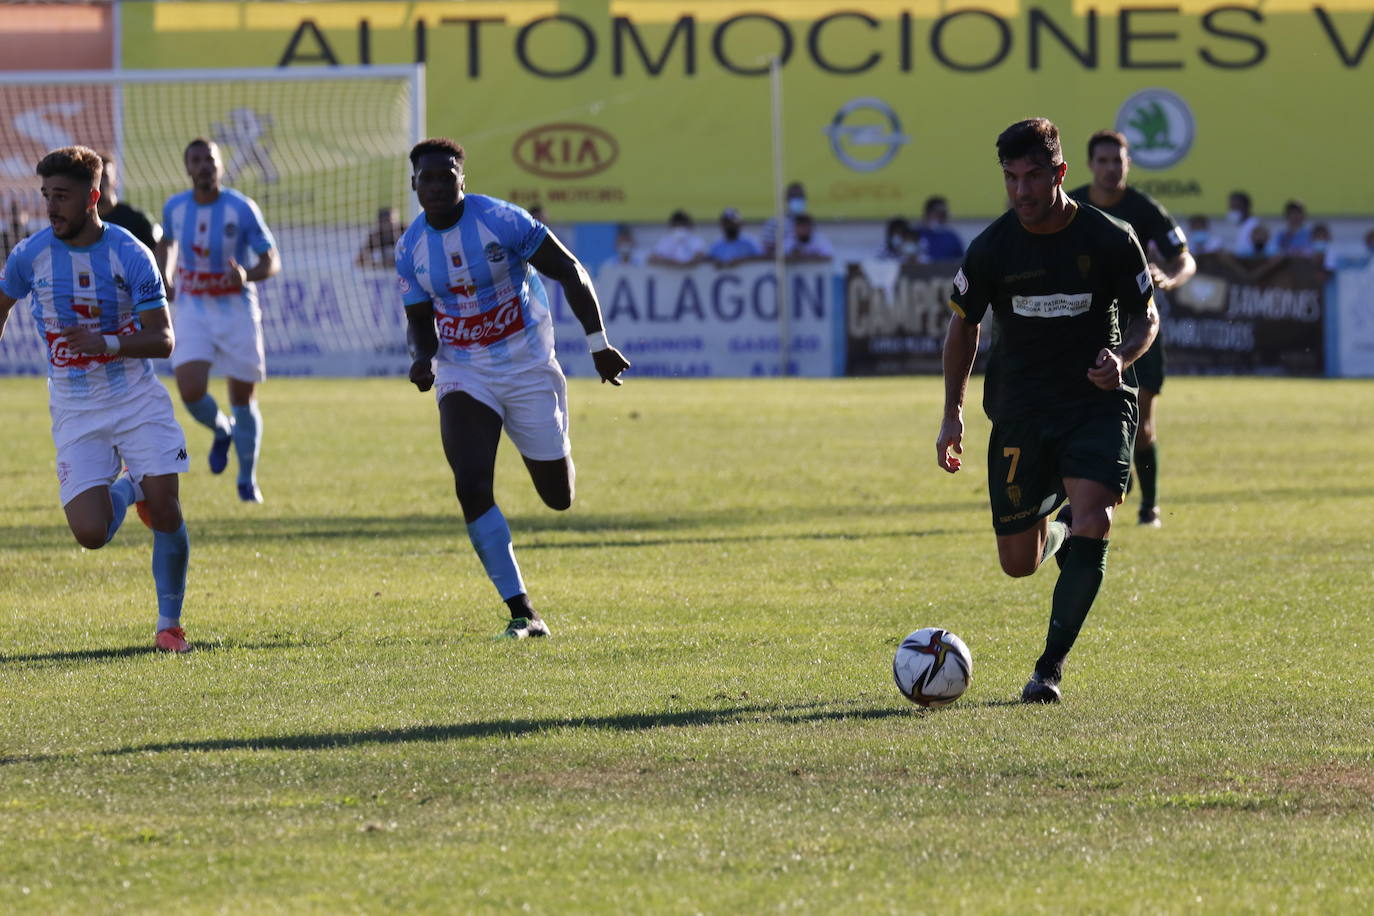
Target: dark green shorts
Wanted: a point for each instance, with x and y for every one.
(1029, 457)
(1149, 369)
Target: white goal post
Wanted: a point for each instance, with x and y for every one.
(322, 150)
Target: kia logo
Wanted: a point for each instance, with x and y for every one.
(565, 151)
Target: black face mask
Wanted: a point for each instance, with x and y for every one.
(731, 232)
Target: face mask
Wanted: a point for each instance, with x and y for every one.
(679, 232)
(910, 247)
(796, 205)
(1320, 246)
(1236, 217)
(624, 248)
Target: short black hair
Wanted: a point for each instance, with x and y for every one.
(933, 201)
(1294, 205)
(1115, 137)
(198, 141)
(440, 145)
(1243, 197)
(1034, 138)
(79, 162)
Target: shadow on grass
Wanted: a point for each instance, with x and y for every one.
(504, 728)
(103, 655)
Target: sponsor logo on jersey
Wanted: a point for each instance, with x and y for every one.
(207, 283)
(62, 356)
(495, 253)
(1055, 305)
(477, 331)
(83, 280)
(961, 282)
(1142, 280)
(456, 259)
(200, 251)
(463, 289)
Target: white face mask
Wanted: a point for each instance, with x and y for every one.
(1236, 217)
(624, 248)
(679, 232)
(796, 205)
(910, 247)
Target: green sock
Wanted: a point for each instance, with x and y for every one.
(1057, 533)
(1085, 564)
(1147, 469)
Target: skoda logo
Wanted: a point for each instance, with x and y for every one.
(1159, 126)
(865, 134)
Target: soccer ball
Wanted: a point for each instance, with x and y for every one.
(932, 667)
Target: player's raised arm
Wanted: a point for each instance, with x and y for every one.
(557, 263)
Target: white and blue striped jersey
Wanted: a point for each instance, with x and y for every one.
(208, 235)
(490, 308)
(101, 287)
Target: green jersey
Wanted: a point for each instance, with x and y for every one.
(1057, 298)
(1149, 219)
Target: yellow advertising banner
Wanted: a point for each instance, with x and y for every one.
(608, 110)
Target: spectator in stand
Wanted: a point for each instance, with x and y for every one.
(1200, 237)
(938, 241)
(1240, 215)
(1319, 248)
(14, 228)
(898, 238)
(734, 245)
(113, 210)
(626, 254)
(808, 244)
(1258, 244)
(681, 247)
(537, 211)
(1295, 237)
(379, 250)
(795, 204)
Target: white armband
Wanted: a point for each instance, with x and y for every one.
(111, 343)
(597, 342)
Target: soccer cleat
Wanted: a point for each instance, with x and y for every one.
(172, 639)
(1150, 517)
(219, 453)
(249, 493)
(1040, 689)
(525, 627)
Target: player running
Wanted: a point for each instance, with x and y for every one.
(97, 298)
(1056, 274)
(472, 301)
(1109, 159)
(208, 233)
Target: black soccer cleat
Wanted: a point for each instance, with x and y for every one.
(1149, 517)
(525, 628)
(1040, 689)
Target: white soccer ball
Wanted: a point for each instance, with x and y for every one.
(932, 667)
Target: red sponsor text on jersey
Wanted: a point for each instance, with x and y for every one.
(62, 356)
(482, 330)
(207, 283)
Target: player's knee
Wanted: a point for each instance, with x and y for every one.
(1018, 567)
(1093, 522)
(559, 501)
(90, 536)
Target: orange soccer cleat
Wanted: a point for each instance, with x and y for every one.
(172, 639)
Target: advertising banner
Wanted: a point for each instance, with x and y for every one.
(611, 110)
(706, 321)
(1350, 338)
(896, 314)
(1248, 316)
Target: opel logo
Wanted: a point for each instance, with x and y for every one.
(866, 134)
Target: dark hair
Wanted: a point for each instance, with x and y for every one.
(680, 218)
(1294, 205)
(1115, 137)
(198, 141)
(79, 162)
(1243, 197)
(1033, 138)
(435, 145)
(933, 201)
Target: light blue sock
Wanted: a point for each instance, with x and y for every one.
(247, 439)
(207, 413)
(121, 497)
(171, 554)
(490, 536)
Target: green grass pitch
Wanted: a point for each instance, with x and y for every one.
(713, 727)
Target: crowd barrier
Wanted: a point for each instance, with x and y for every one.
(1282, 316)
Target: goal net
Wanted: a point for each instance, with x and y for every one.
(322, 151)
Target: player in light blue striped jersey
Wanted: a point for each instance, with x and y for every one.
(209, 232)
(483, 339)
(98, 302)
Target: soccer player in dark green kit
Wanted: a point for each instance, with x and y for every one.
(1057, 275)
(1109, 159)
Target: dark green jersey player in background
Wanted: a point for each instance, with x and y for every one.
(1109, 159)
(1059, 276)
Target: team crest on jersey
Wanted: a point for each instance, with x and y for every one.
(404, 284)
(1085, 264)
(1014, 494)
(83, 280)
(495, 253)
(456, 259)
(230, 229)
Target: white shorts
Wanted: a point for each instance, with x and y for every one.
(95, 443)
(225, 331)
(532, 403)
